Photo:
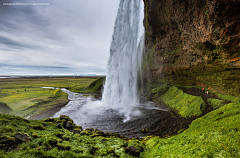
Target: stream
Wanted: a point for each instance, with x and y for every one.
(90, 113)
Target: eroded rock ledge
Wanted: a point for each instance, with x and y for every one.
(193, 42)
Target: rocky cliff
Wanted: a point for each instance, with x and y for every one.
(193, 42)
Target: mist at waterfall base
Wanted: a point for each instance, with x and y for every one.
(120, 109)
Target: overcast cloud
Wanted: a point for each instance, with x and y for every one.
(64, 37)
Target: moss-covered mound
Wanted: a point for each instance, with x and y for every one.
(95, 87)
(60, 137)
(184, 104)
(216, 134)
(187, 104)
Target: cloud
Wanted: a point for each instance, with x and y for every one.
(73, 34)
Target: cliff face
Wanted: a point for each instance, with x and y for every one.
(193, 42)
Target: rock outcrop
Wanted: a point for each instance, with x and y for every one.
(193, 42)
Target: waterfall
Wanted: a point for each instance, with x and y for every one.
(120, 89)
(120, 100)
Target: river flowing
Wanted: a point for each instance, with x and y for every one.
(91, 113)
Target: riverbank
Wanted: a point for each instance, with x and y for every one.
(214, 135)
(201, 123)
(25, 98)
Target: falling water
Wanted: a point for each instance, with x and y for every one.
(120, 89)
(120, 100)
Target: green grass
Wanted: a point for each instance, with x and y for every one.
(18, 83)
(25, 97)
(94, 87)
(215, 103)
(228, 97)
(59, 142)
(213, 135)
(184, 104)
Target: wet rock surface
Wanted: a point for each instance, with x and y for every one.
(10, 142)
(193, 42)
(157, 120)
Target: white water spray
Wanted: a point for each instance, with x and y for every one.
(120, 89)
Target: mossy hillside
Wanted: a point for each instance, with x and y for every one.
(95, 87)
(184, 104)
(215, 103)
(214, 135)
(51, 141)
(228, 97)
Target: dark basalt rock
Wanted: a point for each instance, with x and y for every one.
(38, 127)
(64, 117)
(130, 150)
(59, 125)
(49, 120)
(89, 129)
(6, 141)
(59, 135)
(21, 137)
(35, 136)
(77, 130)
(69, 126)
(83, 133)
(145, 130)
(53, 142)
(184, 38)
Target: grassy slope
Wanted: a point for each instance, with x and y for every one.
(59, 142)
(34, 99)
(184, 104)
(94, 87)
(213, 135)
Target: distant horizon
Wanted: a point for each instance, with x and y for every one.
(25, 75)
(56, 37)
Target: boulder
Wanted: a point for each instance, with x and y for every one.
(131, 150)
(21, 137)
(6, 141)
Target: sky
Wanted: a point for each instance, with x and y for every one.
(56, 37)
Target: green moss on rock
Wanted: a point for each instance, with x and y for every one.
(184, 104)
(214, 135)
(215, 103)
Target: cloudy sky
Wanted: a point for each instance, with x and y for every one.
(64, 37)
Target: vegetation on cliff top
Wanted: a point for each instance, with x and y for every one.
(95, 87)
